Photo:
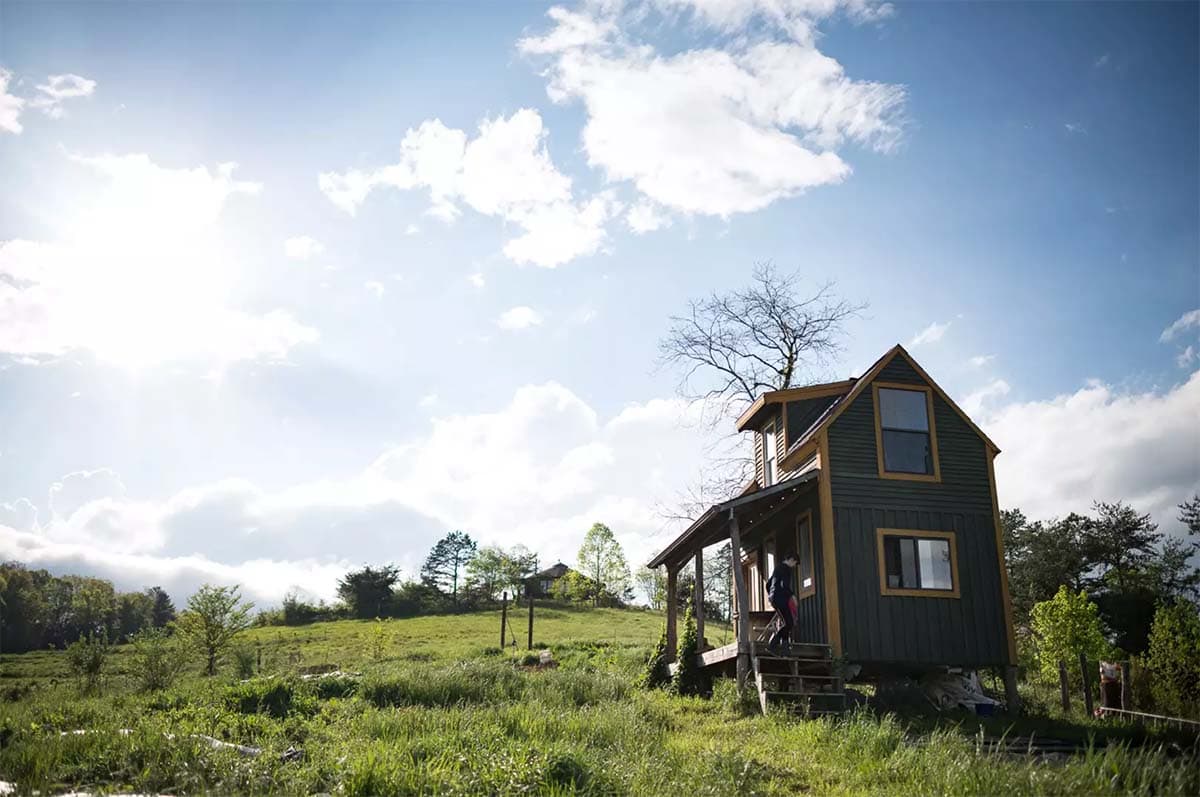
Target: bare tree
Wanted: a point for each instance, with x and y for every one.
(733, 347)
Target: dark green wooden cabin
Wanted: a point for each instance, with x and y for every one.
(886, 490)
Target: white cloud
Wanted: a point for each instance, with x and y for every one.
(974, 401)
(375, 287)
(20, 514)
(428, 400)
(476, 279)
(505, 171)
(1098, 444)
(543, 467)
(715, 130)
(302, 247)
(980, 360)
(10, 105)
(1189, 320)
(930, 334)
(1074, 128)
(645, 217)
(520, 317)
(82, 487)
(141, 274)
(412, 229)
(1101, 61)
(1186, 357)
(59, 88)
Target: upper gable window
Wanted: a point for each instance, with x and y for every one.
(770, 455)
(905, 433)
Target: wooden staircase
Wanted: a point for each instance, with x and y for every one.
(800, 678)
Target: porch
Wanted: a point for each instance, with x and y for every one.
(762, 527)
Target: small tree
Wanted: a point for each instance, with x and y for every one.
(214, 617)
(603, 561)
(489, 571)
(653, 584)
(368, 592)
(1065, 626)
(86, 657)
(690, 677)
(156, 658)
(575, 587)
(444, 566)
(1174, 658)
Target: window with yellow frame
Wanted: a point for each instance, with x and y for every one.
(920, 564)
(905, 433)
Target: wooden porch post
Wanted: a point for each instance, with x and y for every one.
(743, 604)
(672, 638)
(698, 599)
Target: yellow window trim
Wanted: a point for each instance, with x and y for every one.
(801, 592)
(936, 476)
(884, 589)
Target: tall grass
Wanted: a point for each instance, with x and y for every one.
(483, 724)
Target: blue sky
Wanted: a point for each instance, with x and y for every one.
(429, 294)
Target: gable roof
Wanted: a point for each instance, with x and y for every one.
(845, 400)
(557, 570)
(753, 412)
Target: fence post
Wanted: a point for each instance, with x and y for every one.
(1127, 685)
(1064, 686)
(529, 642)
(503, 616)
(1087, 689)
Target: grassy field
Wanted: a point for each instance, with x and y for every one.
(440, 708)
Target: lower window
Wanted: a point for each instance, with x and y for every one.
(918, 563)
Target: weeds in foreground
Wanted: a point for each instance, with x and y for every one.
(482, 724)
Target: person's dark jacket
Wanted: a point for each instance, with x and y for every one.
(779, 585)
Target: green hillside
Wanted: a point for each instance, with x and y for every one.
(439, 708)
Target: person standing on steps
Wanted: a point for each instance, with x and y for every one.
(780, 594)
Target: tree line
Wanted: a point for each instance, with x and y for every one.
(39, 610)
(460, 575)
(1109, 585)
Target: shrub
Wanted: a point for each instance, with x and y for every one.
(657, 675)
(1065, 626)
(690, 677)
(156, 659)
(272, 696)
(244, 659)
(336, 685)
(1174, 658)
(86, 657)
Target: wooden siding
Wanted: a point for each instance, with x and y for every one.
(811, 610)
(803, 414)
(969, 630)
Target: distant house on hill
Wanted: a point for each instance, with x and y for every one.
(885, 490)
(541, 585)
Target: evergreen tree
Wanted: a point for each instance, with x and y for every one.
(444, 566)
(368, 592)
(690, 677)
(163, 613)
(657, 675)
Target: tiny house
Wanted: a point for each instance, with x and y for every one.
(885, 490)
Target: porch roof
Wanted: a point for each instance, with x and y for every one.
(713, 525)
